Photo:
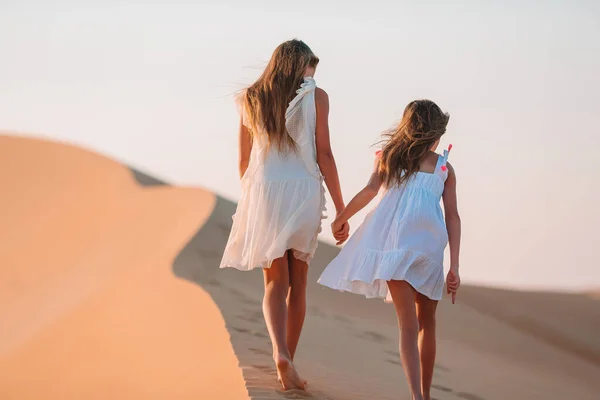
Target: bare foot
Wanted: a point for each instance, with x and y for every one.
(287, 374)
(303, 380)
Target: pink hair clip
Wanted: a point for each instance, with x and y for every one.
(446, 153)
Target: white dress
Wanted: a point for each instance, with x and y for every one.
(402, 238)
(283, 198)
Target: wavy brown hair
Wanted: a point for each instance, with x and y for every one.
(423, 123)
(266, 101)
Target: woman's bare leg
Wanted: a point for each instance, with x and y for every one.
(275, 313)
(403, 296)
(296, 302)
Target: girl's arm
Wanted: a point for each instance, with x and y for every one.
(324, 154)
(245, 147)
(452, 217)
(453, 227)
(362, 198)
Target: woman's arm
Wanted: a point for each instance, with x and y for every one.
(325, 157)
(359, 201)
(245, 147)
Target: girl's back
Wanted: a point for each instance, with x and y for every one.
(416, 215)
(404, 237)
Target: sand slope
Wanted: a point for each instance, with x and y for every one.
(89, 308)
(110, 290)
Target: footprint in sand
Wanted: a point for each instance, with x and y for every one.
(442, 368)
(249, 318)
(395, 362)
(248, 331)
(214, 282)
(239, 330)
(238, 294)
(316, 311)
(260, 351)
(373, 337)
(252, 316)
(342, 319)
(264, 368)
(299, 394)
(468, 396)
(442, 388)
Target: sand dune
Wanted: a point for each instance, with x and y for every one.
(568, 321)
(89, 308)
(110, 288)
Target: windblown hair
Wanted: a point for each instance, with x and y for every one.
(266, 101)
(406, 146)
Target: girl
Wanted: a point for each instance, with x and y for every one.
(398, 251)
(284, 148)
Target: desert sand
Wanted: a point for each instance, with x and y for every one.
(110, 289)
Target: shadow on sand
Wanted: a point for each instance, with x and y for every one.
(239, 297)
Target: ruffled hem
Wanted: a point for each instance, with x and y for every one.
(305, 256)
(366, 272)
(256, 238)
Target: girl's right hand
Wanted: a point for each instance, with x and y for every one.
(453, 283)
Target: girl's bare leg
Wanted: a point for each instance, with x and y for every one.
(275, 313)
(427, 347)
(403, 296)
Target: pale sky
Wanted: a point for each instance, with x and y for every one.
(150, 83)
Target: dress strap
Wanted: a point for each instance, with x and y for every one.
(441, 167)
(308, 86)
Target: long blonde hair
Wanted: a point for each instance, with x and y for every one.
(266, 101)
(423, 123)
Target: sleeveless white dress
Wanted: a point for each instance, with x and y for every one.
(402, 238)
(283, 198)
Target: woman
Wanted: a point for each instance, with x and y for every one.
(284, 155)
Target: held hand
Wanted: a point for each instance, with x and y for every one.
(340, 230)
(453, 282)
(342, 236)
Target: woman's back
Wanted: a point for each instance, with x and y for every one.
(268, 163)
(283, 198)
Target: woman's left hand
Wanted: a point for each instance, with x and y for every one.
(340, 230)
